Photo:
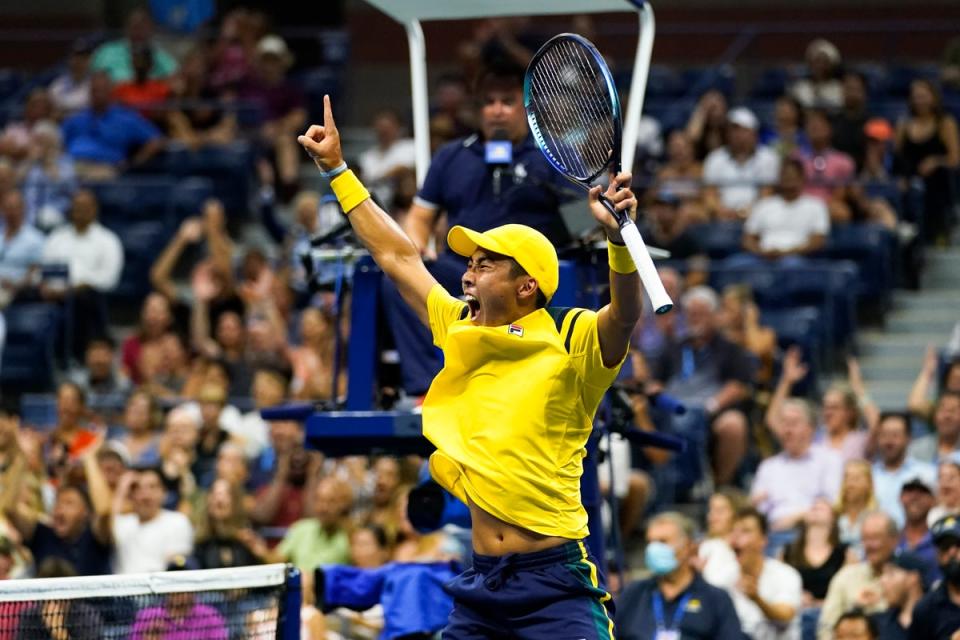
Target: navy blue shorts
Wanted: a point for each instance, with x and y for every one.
(548, 595)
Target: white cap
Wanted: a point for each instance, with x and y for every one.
(743, 117)
(274, 45)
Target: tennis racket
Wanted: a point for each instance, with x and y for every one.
(574, 114)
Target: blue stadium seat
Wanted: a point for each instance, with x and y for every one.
(188, 197)
(39, 410)
(10, 81)
(800, 326)
(772, 83)
(720, 239)
(131, 198)
(317, 82)
(142, 242)
(873, 248)
(899, 79)
(229, 169)
(764, 282)
(28, 356)
(698, 81)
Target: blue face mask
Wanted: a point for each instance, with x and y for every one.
(660, 558)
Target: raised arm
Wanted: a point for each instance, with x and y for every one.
(615, 322)
(794, 370)
(389, 246)
(918, 402)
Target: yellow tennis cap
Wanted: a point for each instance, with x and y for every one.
(526, 245)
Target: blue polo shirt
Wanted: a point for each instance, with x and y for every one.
(926, 551)
(531, 191)
(108, 136)
(707, 612)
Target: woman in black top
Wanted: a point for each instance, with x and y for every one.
(928, 147)
(817, 554)
(224, 537)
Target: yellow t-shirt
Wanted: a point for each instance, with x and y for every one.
(511, 411)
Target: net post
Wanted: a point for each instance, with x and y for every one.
(289, 627)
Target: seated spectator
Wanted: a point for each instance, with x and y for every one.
(167, 366)
(822, 89)
(937, 616)
(224, 538)
(94, 258)
(383, 500)
(705, 371)
(142, 92)
(740, 323)
(895, 465)
(766, 593)
(99, 376)
(948, 491)
(150, 537)
(49, 177)
(284, 477)
(321, 539)
(212, 401)
(829, 173)
(156, 319)
(664, 603)
(269, 389)
(198, 118)
(877, 163)
(715, 552)
(50, 619)
(856, 501)
(788, 137)
(775, 490)
(381, 164)
(70, 90)
(667, 228)
(106, 138)
(450, 109)
(682, 175)
(916, 496)
(928, 148)
(178, 450)
(17, 135)
(116, 56)
(180, 615)
(849, 122)
(656, 330)
(139, 439)
(71, 437)
(21, 246)
(903, 585)
(858, 585)
(945, 441)
(855, 625)
(707, 125)
(787, 226)
(817, 553)
(739, 172)
(282, 105)
(313, 361)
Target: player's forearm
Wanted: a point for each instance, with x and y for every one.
(626, 299)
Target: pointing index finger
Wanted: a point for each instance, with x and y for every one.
(328, 124)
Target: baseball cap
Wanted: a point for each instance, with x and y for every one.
(878, 129)
(743, 117)
(946, 527)
(917, 483)
(274, 45)
(526, 245)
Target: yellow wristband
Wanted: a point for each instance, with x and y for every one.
(349, 190)
(619, 258)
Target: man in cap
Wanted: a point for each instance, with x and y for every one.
(739, 172)
(917, 499)
(511, 411)
(937, 615)
(903, 584)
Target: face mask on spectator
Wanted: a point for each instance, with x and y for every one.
(660, 558)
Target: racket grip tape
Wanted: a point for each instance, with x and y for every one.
(648, 273)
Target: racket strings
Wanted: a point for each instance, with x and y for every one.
(571, 102)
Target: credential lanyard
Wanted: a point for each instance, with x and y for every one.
(677, 613)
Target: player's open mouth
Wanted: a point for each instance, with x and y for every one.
(474, 305)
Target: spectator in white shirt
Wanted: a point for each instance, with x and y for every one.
(148, 538)
(766, 593)
(787, 225)
(894, 467)
(823, 89)
(70, 91)
(94, 259)
(20, 246)
(383, 163)
(776, 490)
(739, 172)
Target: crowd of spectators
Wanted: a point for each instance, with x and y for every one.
(824, 517)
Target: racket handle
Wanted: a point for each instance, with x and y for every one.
(648, 273)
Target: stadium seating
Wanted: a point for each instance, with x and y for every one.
(28, 356)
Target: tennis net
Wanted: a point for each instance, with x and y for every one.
(253, 603)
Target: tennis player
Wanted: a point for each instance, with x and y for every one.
(511, 410)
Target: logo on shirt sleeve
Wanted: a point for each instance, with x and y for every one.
(515, 330)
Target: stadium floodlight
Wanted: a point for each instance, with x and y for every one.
(410, 13)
